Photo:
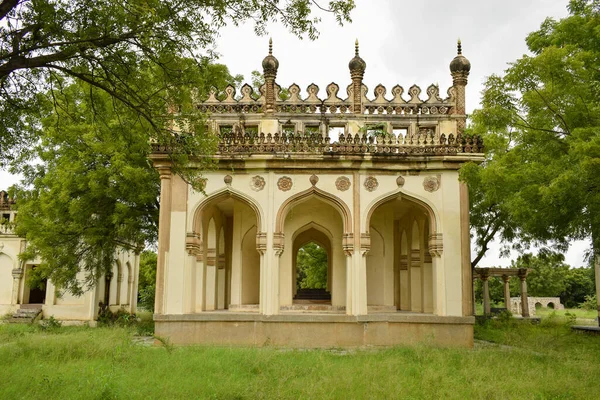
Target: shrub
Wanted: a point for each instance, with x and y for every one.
(590, 303)
(50, 325)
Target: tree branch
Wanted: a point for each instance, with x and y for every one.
(7, 6)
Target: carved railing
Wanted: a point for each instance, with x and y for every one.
(228, 103)
(425, 142)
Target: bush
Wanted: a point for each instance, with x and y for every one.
(50, 325)
(119, 318)
(590, 303)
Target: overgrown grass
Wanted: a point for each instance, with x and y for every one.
(517, 361)
(578, 312)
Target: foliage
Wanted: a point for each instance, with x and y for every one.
(106, 45)
(147, 280)
(50, 325)
(590, 302)
(88, 188)
(547, 275)
(311, 264)
(541, 125)
(119, 318)
(579, 284)
(546, 361)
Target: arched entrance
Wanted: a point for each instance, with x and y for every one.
(230, 273)
(399, 266)
(312, 266)
(313, 219)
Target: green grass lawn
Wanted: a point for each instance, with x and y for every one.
(510, 361)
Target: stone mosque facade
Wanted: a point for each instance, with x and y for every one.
(372, 179)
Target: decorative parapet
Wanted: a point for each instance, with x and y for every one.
(332, 105)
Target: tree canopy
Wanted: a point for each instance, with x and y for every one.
(106, 44)
(84, 86)
(88, 188)
(541, 125)
(311, 263)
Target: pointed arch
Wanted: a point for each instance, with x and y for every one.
(434, 221)
(221, 195)
(328, 198)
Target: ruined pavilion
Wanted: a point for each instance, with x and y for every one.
(372, 180)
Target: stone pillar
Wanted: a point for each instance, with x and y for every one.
(474, 305)
(270, 65)
(357, 70)
(506, 280)
(465, 247)
(17, 275)
(164, 228)
(524, 301)
(486, 292)
(211, 280)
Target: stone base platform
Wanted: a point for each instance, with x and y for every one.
(314, 330)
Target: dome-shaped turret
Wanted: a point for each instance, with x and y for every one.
(460, 62)
(270, 63)
(357, 64)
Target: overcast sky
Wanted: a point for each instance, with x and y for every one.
(402, 42)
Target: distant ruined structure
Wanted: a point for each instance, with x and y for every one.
(371, 180)
(115, 291)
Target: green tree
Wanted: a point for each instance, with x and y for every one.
(147, 280)
(88, 187)
(102, 43)
(311, 263)
(541, 123)
(548, 274)
(579, 284)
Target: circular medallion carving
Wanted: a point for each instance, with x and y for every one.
(284, 183)
(258, 183)
(228, 179)
(371, 183)
(400, 181)
(342, 183)
(314, 179)
(431, 183)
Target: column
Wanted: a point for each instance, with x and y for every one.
(17, 274)
(506, 280)
(164, 228)
(486, 293)
(524, 301)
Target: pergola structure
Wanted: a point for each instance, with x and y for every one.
(505, 273)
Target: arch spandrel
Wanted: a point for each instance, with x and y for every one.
(326, 197)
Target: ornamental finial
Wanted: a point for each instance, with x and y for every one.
(459, 47)
(271, 46)
(356, 47)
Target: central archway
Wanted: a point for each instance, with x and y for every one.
(313, 219)
(312, 266)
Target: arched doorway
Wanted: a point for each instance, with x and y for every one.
(312, 267)
(230, 273)
(399, 266)
(313, 220)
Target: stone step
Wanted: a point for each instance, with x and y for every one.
(25, 316)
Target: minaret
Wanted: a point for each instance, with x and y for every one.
(357, 70)
(459, 69)
(270, 65)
